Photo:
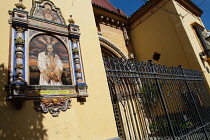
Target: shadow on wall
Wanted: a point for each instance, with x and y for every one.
(24, 124)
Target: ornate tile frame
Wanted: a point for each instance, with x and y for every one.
(48, 98)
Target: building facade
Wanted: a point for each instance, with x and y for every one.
(73, 99)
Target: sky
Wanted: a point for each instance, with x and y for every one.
(130, 6)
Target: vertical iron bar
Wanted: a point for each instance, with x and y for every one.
(193, 102)
(138, 106)
(120, 84)
(112, 89)
(130, 107)
(132, 93)
(163, 101)
(125, 91)
(118, 117)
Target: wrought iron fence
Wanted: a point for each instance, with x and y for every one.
(156, 102)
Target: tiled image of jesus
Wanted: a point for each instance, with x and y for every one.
(50, 67)
(48, 61)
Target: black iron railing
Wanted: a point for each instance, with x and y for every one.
(158, 102)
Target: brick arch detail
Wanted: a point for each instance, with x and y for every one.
(111, 47)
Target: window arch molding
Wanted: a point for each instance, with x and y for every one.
(112, 47)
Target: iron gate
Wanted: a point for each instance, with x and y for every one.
(156, 102)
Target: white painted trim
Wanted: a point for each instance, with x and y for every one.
(26, 59)
(12, 53)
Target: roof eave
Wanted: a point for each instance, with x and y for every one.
(143, 10)
(189, 5)
(110, 11)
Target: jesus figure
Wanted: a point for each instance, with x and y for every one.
(50, 67)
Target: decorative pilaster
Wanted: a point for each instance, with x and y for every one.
(76, 58)
(81, 85)
(19, 85)
(19, 52)
(125, 34)
(19, 21)
(74, 37)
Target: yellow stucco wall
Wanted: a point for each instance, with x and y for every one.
(194, 42)
(163, 30)
(166, 29)
(92, 121)
(114, 35)
(155, 32)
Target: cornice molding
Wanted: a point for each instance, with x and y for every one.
(98, 11)
(110, 21)
(189, 5)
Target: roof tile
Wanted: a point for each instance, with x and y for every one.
(106, 4)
